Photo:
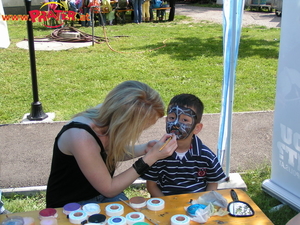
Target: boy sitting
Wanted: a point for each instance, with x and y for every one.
(193, 167)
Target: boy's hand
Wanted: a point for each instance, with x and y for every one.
(150, 145)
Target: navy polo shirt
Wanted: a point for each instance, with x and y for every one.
(190, 174)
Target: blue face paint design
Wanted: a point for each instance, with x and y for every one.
(181, 130)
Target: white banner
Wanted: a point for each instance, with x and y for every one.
(285, 178)
(4, 37)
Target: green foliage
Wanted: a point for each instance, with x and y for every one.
(172, 57)
(22, 203)
(137, 190)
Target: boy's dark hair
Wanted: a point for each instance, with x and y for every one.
(189, 101)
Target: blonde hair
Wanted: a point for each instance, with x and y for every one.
(127, 110)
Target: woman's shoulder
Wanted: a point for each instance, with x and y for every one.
(78, 127)
(76, 134)
(82, 119)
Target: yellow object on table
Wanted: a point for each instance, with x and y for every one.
(174, 205)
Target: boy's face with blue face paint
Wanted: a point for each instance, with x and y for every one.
(181, 121)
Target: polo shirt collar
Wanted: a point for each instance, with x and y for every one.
(197, 146)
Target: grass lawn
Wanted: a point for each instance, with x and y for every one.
(188, 58)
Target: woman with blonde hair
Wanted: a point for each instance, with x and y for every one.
(87, 149)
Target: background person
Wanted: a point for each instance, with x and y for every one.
(193, 167)
(161, 13)
(85, 11)
(109, 12)
(137, 11)
(151, 11)
(146, 11)
(73, 8)
(172, 10)
(95, 12)
(122, 5)
(87, 149)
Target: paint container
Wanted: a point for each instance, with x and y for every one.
(116, 220)
(98, 219)
(28, 221)
(78, 216)
(114, 209)
(155, 204)
(134, 217)
(49, 221)
(137, 202)
(13, 220)
(141, 223)
(180, 220)
(48, 213)
(91, 208)
(191, 210)
(70, 207)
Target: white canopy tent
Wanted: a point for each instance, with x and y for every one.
(232, 24)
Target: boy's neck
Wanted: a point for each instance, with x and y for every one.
(184, 145)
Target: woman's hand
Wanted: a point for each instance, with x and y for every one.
(143, 149)
(167, 146)
(155, 153)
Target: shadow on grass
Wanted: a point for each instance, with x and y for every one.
(188, 48)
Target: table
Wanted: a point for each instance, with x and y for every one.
(174, 204)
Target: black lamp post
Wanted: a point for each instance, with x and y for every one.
(37, 112)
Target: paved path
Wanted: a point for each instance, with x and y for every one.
(215, 15)
(26, 149)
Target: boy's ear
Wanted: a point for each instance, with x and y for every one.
(198, 128)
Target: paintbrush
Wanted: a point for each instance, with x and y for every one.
(167, 141)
